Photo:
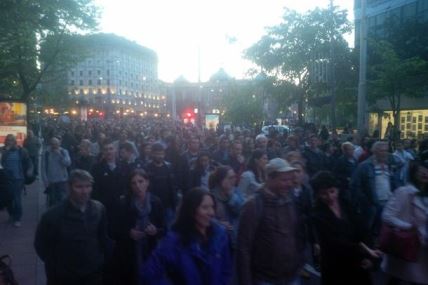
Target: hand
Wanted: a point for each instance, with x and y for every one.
(374, 253)
(136, 234)
(241, 159)
(366, 263)
(150, 230)
(227, 225)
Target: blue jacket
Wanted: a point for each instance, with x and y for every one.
(177, 264)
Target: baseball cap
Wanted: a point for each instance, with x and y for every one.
(278, 165)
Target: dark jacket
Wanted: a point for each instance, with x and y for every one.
(86, 162)
(339, 240)
(163, 183)
(109, 185)
(195, 263)
(270, 240)
(315, 161)
(124, 219)
(71, 243)
(344, 169)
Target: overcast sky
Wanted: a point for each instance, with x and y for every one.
(221, 30)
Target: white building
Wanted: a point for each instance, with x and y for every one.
(118, 75)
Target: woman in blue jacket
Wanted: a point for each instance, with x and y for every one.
(196, 251)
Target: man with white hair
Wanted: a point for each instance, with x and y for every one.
(55, 161)
(372, 184)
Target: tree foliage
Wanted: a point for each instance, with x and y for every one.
(35, 40)
(393, 77)
(290, 49)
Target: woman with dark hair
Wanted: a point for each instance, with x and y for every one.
(345, 256)
(196, 251)
(229, 200)
(253, 178)
(136, 227)
(407, 209)
(200, 173)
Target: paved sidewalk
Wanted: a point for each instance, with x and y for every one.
(18, 242)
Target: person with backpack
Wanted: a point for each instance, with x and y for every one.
(271, 232)
(17, 165)
(55, 161)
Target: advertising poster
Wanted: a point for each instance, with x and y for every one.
(13, 120)
(212, 121)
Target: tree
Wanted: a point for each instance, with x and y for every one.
(393, 77)
(290, 49)
(35, 40)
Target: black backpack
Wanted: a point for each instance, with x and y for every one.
(6, 273)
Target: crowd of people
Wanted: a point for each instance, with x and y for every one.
(155, 201)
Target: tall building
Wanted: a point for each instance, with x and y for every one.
(414, 111)
(117, 76)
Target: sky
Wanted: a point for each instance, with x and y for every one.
(198, 37)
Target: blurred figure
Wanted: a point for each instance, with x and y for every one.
(254, 177)
(32, 144)
(17, 165)
(228, 198)
(55, 161)
(345, 254)
(84, 160)
(408, 209)
(199, 174)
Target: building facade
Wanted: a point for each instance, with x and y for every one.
(414, 112)
(117, 76)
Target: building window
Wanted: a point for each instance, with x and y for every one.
(72, 73)
(99, 81)
(90, 82)
(98, 72)
(108, 81)
(108, 72)
(72, 82)
(81, 82)
(90, 72)
(81, 73)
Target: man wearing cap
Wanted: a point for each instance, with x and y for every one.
(271, 232)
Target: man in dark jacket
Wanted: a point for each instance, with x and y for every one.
(109, 179)
(162, 181)
(315, 158)
(271, 233)
(71, 237)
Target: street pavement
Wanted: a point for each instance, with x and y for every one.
(18, 242)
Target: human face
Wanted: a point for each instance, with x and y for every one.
(80, 192)
(158, 156)
(205, 161)
(299, 175)
(10, 141)
(328, 196)
(422, 175)
(109, 152)
(194, 145)
(204, 214)
(381, 153)
(55, 144)
(125, 155)
(262, 143)
(282, 183)
(262, 161)
(237, 149)
(229, 181)
(349, 151)
(139, 185)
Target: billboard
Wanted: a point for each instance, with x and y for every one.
(212, 121)
(13, 120)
